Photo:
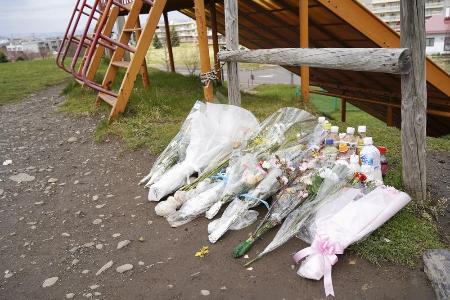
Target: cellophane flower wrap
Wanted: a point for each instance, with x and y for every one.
(333, 180)
(176, 150)
(342, 221)
(282, 129)
(215, 130)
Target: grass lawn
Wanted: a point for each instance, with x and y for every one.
(154, 116)
(19, 79)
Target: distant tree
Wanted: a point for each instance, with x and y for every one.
(21, 58)
(174, 37)
(156, 42)
(3, 58)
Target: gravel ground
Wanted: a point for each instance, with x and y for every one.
(77, 200)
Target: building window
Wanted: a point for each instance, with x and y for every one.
(447, 43)
(430, 42)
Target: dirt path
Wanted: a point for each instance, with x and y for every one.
(49, 227)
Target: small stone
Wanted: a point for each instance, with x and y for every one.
(150, 222)
(116, 235)
(39, 203)
(122, 244)
(246, 256)
(88, 295)
(99, 246)
(205, 292)
(104, 268)
(141, 239)
(94, 286)
(76, 182)
(49, 282)
(124, 268)
(365, 287)
(100, 206)
(223, 288)
(85, 271)
(22, 177)
(70, 295)
(97, 221)
(52, 180)
(7, 162)
(170, 286)
(72, 139)
(141, 263)
(8, 274)
(250, 269)
(65, 234)
(75, 261)
(352, 262)
(97, 293)
(95, 197)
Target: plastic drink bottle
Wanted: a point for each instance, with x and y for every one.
(343, 147)
(360, 140)
(329, 154)
(370, 156)
(351, 140)
(319, 134)
(383, 160)
(354, 163)
(334, 134)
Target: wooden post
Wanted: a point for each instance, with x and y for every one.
(169, 42)
(215, 39)
(232, 38)
(343, 110)
(414, 100)
(304, 43)
(205, 64)
(389, 116)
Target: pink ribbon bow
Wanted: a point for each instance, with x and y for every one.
(327, 250)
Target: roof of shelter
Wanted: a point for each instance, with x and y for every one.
(336, 24)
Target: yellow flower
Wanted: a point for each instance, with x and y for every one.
(202, 252)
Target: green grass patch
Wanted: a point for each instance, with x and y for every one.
(155, 115)
(21, 78)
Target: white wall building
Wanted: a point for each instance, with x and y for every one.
(187, 31)
(438, 34)
(389, 10)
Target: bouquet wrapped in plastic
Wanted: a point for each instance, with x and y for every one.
(281, 127)
(214, 131)
(176, 150)
(333, 181)
(341, 222)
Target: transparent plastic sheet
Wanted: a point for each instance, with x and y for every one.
(243, 174)
(169, 206)
(341, 223)
(214, 131)
(176, 150)
(334, 180)
(196, 205)
(238, 209)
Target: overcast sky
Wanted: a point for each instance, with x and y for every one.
(18, 17)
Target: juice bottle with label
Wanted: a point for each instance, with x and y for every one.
(334, 134)
(351, 140)
(330, 153)
(360, 139)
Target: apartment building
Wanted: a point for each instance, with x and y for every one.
(389, 10)
(187, 31)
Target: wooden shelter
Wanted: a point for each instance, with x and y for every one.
(400, 87)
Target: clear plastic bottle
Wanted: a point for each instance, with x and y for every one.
(383, 160)
(330, 153)
(334, 134)
(319, 134)
(360, 139)
(351, 140)
(354, 163)
(370, 156)
(343, 147)
(326, 130)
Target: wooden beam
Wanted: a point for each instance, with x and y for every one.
(394, 61)
(304, 43)
(215, 39)
(169, 42)
(232, 39)
(389, 116)
(205, 63)
(414, 100)
(343, 110)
